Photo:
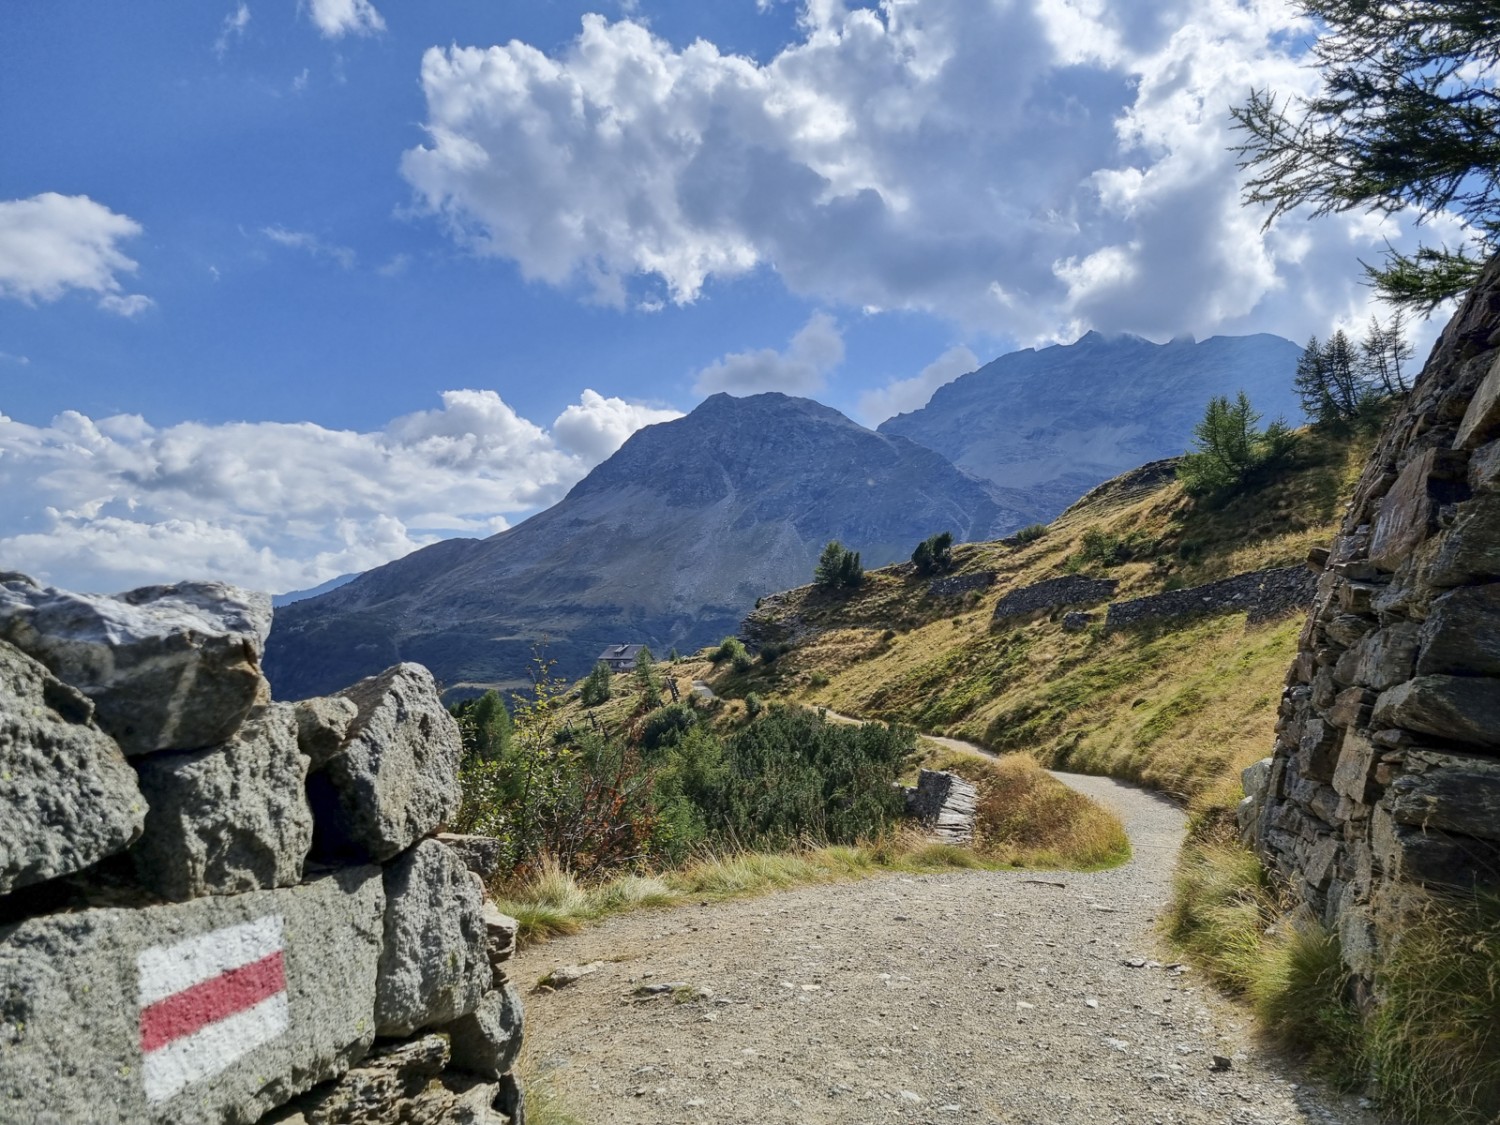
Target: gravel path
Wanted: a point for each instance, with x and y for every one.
(964, 997)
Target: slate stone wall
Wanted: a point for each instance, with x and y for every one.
(1262, 594)
(215, 907)
(1073, 589)
(1385, 777)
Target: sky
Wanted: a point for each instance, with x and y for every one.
(289, 288)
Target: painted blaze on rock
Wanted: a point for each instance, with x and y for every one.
(222, 1008)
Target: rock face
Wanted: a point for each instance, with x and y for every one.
(395, 779)
(68, 795)
(258, 996)
(772, 480)
(1052, 423)
(167, 667)
(228, 819)
(1385, 779)
(101, 1006)
(435, 965)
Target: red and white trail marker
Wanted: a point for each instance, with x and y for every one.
(209, 1000)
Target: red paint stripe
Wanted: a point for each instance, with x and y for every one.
(209, 1001)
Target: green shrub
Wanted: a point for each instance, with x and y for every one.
(667, 724)
(753, 705)
(934, 554)
(1030, 533)
(484, 725)
(730, 648)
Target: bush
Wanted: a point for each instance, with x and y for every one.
(1030, 533)
(771, 653)
(934, 555)
(1105, 549)
(730, 648)
(753, 705)
(666, 725)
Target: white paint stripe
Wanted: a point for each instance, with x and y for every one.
(210, 1050)
(165, 969)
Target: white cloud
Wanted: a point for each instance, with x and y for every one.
(802, 369)
(900, 395)
(337, 18)
(233, 28)
(344, 256)
(595, 426)
(51, 244)
(1031, 167)
(117, 502)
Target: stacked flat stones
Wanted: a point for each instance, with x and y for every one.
(1385, 781)
(219, 908)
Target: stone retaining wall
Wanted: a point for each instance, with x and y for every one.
(1073, 589)
(1385, 777)
(956, 584)
(1263, 594)
(215, 907)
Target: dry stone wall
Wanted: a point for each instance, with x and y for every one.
(215, 907)
(1385, 778)
(1260, 594)
(1053, 593)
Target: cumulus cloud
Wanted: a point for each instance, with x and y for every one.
(311, 244)
(900, 395)
(51, 244)
(337, 18)
(1034, 167)
(816, 349)
(594, 426)
(111, 503)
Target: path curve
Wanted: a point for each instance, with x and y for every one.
(962, 997)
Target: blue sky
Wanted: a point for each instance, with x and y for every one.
(288, 289)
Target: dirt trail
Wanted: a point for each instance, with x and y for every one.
(964, 997)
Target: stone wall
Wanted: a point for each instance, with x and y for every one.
(956, 584)
(1262, 594)
(1074, 589)
(215, 907)
(1385, 778)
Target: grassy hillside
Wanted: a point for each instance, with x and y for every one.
(1178, 706)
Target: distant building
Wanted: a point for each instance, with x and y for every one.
(621, 658)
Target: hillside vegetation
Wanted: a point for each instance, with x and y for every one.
(1178, 705)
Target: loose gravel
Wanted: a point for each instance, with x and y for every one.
(964, 997)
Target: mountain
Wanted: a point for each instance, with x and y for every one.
(279, 600)
(1053, 423)
(668, 542)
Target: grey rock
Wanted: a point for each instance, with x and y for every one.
(1357, 756)
(398, 1084)
(564, 975)
(73, 984)
(1381, 659)
(229, 819)
(434, 967)
(1470, 549)
(395, 779)
(487, 1040)
(168, 667)
(1481, 421)
(69, 796)
(1460, 708)
(1431, 856)
(323, 725)
(480, 854)
(1253, 778)
(500, 937)
(1454, 792)
(1462, 633)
